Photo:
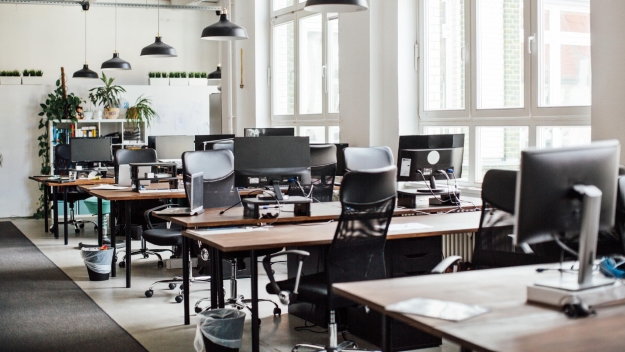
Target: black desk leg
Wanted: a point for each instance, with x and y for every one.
(65, 215)
(220, 278)
(45, 207)
(100, 216)
(214, 277)
(386, 334)
(128, 240)
(255, 319)
(113, 241)
(464, 349)
(55, 213)
(186, 258)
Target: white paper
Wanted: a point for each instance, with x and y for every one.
(405, 167)
(226, 231)
(111, 187)
(407, 227)
(435, 308)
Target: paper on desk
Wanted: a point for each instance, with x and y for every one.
(226, 231)
(407, 227)
(435, 308)
(111, 187)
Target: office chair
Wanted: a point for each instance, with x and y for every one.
(124, 157)
(367, 158)
(62, 163)
(356, 252)
(229, 145)
(322, 174)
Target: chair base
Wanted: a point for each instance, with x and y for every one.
(146, 252)
(239, 303)
(173, 283)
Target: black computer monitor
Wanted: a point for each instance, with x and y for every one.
(269, 132)
(429, 165)
(90, 150)
(564, 193)
(271, 161)
(171, 147)
(206, 141)
(431, 141)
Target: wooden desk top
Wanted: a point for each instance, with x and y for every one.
(121, 195)
(323, 233)
(512, 325)
(319, 212)
(78, 182)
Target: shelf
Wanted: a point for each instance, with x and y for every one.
(98, 121)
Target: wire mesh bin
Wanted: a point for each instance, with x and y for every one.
(219, 330)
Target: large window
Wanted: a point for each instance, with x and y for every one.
(304, 71)
(510, 74)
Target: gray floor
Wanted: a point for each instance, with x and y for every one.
(157, 322)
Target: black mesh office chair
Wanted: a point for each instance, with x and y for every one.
(229, 145)
(62, 164)
(367, 158)
(125, 157)
(322, 174)
(356, 252)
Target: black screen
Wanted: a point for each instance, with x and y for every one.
(90, 149)
(269, 132)
(200, 139)
(431, 141)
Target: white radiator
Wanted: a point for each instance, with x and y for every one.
(459, 244)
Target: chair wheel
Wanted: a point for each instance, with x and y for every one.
(77, 231)
(172, 286)
(81, 226)
(145, 256)
(149, 293)
(179, 299)
(277, 312)
(198, 310)
(122, 264)
(160, 265)
(95, 227)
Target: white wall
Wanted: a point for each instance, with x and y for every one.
(608, 71)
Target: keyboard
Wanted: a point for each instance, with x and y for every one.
(161, 191)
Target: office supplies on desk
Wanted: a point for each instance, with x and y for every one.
(110, 187)
(434, 308)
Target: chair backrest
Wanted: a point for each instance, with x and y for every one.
(127, 156)
(357, 250)
(367, 158)
(619, 221)
(322, 171)
(218, 169)
(494, 247)
(62, 159)
(229, 145)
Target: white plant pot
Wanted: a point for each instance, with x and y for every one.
(10, 80)
(198, 81)
(88, 115)
(32, 80)
(111, 113)
(178, 81)
(159, 81)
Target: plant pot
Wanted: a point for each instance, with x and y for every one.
(178, 81)
(88, 115)
(159, 81)
(198, 81)
(10, 80)
(32, 80)
(111, 113)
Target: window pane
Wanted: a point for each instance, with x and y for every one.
(564, 64)
(500, 54)
(454, 130)
(334, 134)
(280, 4)
(562, 136)
(283, 69)
(310, 65)
(499, 148)
(444, 51)
(333, 66)
(316, 134)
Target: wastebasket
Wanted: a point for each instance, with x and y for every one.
(92, 205)
(98, 262)
(219, 330)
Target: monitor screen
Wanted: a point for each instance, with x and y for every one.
(261, 161)
(90, 149)
(431, 141)
(171, 147)
(196, 193)
(269, 132)
(424, 164)
(206, 141)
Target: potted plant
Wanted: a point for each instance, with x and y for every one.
(196, 79)
(141, 112)
(158, 79)
(108, 96)
(32, 77)
(10, 77)
(178, 79)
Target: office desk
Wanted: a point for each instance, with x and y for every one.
(126, 197)
(294, 235)
(512, 325)
(47, 182)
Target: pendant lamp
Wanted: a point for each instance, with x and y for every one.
(215, 74)
(116, 63)
(336, 5)
(158, 48)
(224, 30)
(85, 72)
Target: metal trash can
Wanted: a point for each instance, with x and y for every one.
(219, 330)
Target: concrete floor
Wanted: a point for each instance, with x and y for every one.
(157, 322)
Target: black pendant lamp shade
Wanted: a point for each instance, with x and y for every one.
(336, 5)
(159, 49)
(215, 74)
(116, 63)
(85, 73)
(224, 30)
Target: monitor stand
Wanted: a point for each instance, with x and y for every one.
(276, 189)
(433, 188)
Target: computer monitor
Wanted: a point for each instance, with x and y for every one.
(429, 165)
(269, 132)
(568, 192)
(90, 150)
(271, 161)
(206, 141)
(171, 147)
(431, 141)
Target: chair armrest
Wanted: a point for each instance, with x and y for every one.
(147, 213)
(285, 296)
(446, 263)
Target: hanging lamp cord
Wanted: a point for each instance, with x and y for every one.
(115, 26)
(158, 25)
(85, 37)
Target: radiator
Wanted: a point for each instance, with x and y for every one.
(459, 244)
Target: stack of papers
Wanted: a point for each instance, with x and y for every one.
(111, 187)
(435, 308)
